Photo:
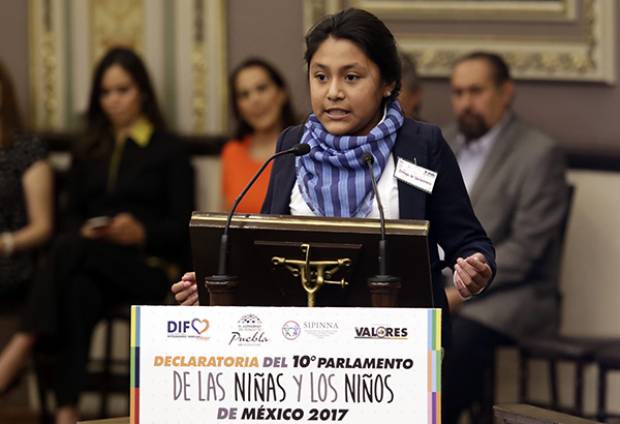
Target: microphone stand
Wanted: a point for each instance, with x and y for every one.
(383, 288)
(221, 285)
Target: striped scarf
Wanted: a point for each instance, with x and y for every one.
(332, 178)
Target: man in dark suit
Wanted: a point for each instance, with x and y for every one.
(515, 177)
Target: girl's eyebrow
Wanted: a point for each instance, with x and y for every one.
(345, 67)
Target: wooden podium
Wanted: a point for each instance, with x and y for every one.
(282, 260)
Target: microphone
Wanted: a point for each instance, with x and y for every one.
(369, 160)
(382, 280)
(297, 150)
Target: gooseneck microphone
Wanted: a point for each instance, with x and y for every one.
(369, 160)
(384, 288)
(297, 150)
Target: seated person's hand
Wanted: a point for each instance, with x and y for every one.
(471, 275)
(186, 290)
(125, 229)
(95, 228)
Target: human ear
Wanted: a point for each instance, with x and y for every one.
(388, 88)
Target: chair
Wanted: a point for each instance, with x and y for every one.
(608, 359)
(578, 350)
(105, 376)
(482, 412)
(110, 375)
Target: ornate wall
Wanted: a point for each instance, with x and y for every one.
(565, 40)
(183, 43)
(580, 110)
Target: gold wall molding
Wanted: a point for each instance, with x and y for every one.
(471, 9)
(315, 10)
(116, 23)
(199, 68)
(46, 63)
(201, 71)
(586, 53)
(68, 37)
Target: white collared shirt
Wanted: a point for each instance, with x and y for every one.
(472, 156)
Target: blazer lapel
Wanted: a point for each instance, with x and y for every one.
(283, 184)
(411, 201)
(497, 155)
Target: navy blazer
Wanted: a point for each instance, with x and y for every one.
(453, 224)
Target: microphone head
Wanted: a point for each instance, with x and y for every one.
(368, 158)
(300, 149)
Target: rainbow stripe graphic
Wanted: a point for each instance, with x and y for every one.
(134, 400)
(434, 366)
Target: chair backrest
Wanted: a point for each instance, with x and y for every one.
(566, 219)
(562, 242)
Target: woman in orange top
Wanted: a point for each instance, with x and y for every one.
(262, 108)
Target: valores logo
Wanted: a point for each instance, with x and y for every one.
(381, 332)
(195, 328)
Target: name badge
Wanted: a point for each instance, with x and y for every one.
(414, 175)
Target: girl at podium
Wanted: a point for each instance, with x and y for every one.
(354, 78)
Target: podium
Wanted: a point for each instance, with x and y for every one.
(282, 260)
(240, 359)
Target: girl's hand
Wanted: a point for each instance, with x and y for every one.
(186, 291)
(471, 275)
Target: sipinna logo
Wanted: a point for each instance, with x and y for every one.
(195, 328)
(320, 329)
(291, 330)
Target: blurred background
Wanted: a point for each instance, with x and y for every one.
(563, 55)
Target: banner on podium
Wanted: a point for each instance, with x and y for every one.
(285, 364)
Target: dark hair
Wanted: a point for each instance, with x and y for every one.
(499, 68)
(99, 138)
(287, 113)
(10, 119)
(366, 31)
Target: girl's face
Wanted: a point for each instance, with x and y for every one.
(259, 99)
(346, 88)
(120, 98)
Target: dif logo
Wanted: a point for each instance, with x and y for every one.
(195, 328)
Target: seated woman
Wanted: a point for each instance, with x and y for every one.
(131, 196)
(354, 77)
(25, 196)
(262, 108)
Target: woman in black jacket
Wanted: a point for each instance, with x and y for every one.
(131, 196)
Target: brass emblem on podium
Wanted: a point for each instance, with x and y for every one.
(313, 274)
